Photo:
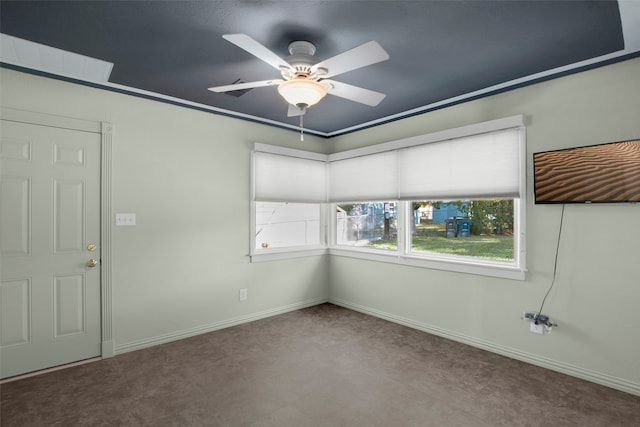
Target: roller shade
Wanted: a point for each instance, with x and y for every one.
(486, 165)
(370, 177)
(289, 179)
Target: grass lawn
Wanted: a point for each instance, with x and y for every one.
(431, 238)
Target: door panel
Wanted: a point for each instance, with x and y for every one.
(49, 296)
(16, 313)
(68, 215)
(69, 304)
(16, 203)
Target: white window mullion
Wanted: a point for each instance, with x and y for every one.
(404, 228)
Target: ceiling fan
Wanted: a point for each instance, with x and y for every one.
(305, 80)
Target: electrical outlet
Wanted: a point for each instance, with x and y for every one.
(536, 328)
(243, 294)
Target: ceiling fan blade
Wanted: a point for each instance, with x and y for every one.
(242, 86)
(245, 42)
(295, 111)
(354, 93)
(361, 56)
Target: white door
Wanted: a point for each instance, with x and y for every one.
(50, 232)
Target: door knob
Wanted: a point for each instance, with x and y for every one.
(92, 262)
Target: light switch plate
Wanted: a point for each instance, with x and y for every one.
(125, 219)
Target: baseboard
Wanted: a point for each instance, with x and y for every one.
(554, 365)
(107, 349)
(186, 333)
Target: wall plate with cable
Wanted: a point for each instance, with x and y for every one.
(536, 328)
(538, 323)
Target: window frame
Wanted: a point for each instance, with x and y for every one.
(272, 254)
(515, 269)
(328, 224)
(456, 263)
(468, 264)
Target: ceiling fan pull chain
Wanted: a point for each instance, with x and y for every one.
(301, 129)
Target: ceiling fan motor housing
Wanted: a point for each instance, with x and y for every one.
(301, 57)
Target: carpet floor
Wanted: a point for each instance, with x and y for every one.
(321, 366)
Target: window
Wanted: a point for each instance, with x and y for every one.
(481, 228)
(457, 199)
(288, 198)
(284, 225)
(367, 224)
(451, 200)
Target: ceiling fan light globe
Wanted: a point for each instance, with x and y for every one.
(302, 91)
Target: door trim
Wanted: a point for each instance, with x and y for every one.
(105, 238)
(105, 130)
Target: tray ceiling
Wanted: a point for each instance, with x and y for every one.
(440, 52)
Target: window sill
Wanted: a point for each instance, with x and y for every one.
(286, 253)
(464, 265)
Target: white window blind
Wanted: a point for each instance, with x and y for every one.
(370, 177)
(285, 178)
(486, 165)
(471, 166)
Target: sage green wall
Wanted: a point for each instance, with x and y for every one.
(185, 174)
(596, 297)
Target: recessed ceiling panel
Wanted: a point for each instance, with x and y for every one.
(438, 50)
